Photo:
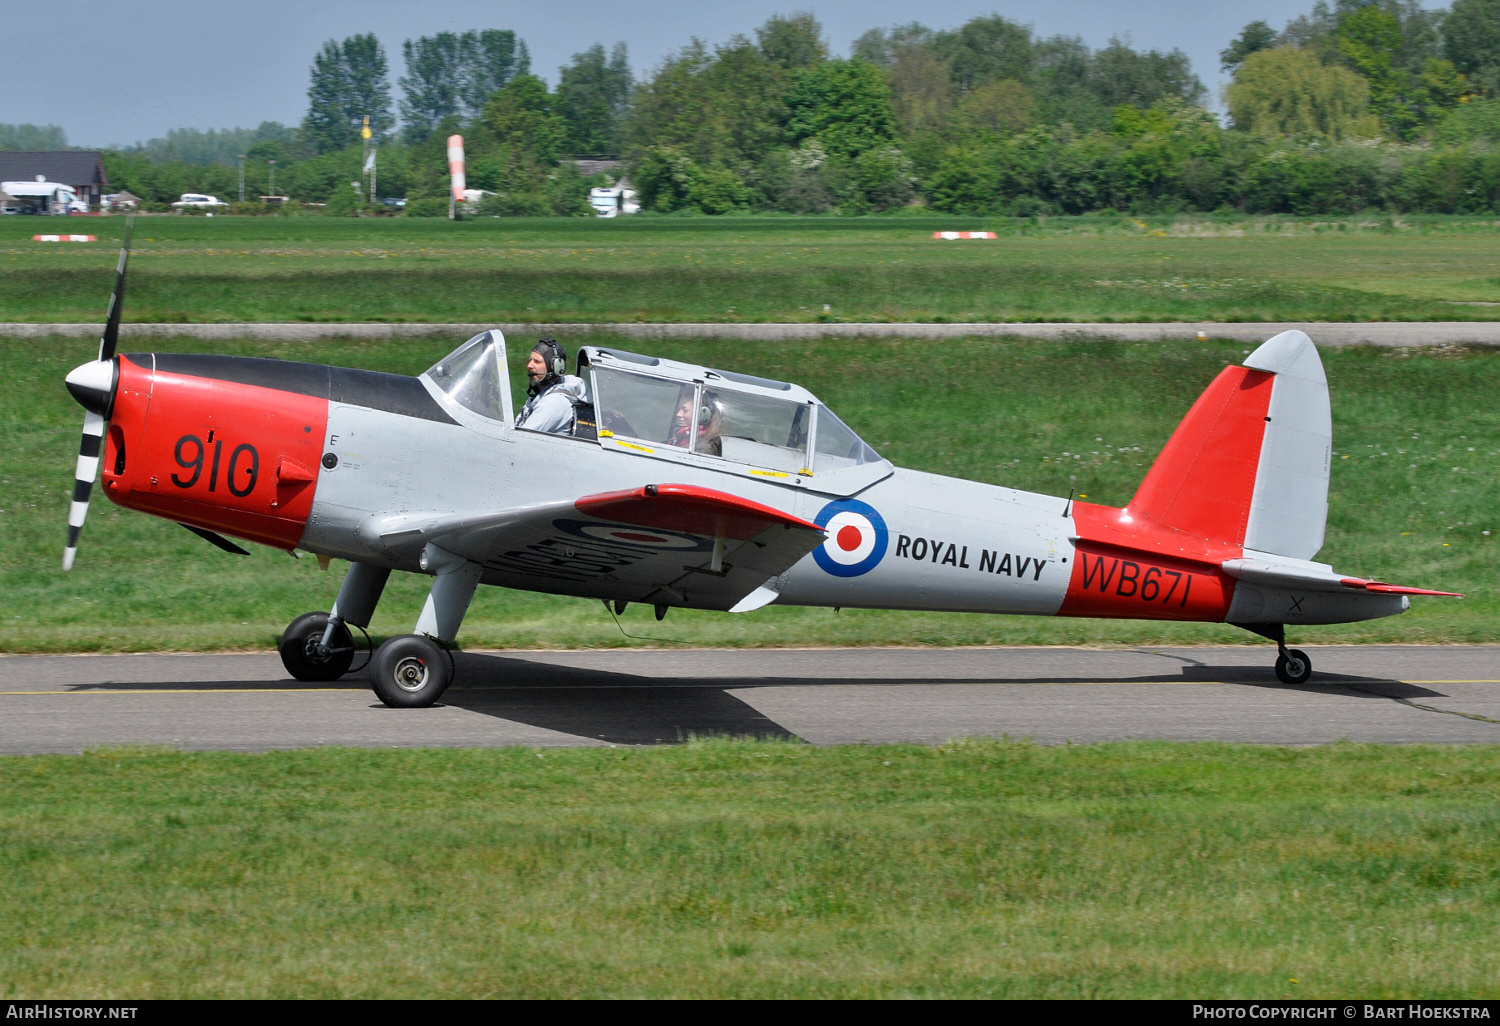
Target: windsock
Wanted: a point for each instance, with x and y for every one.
(456, 166)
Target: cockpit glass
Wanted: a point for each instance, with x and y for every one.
(638, 406)
(754, 429)
(471, 375)
(838, 447)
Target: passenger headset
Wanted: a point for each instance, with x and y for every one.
(712, 404)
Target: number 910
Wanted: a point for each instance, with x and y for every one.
(191, 453)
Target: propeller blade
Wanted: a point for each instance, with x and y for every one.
(92, 442)
(111, 337)
(83, 481)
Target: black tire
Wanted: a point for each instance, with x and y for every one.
(410, 672)
(1294, 667)
(299, 652)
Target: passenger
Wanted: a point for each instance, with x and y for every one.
(710, 422)
(553, 391)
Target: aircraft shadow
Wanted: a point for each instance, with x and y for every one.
(618, 708)
(623, 708)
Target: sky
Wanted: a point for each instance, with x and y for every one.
(122, 72)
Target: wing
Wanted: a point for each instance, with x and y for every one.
(671, 544)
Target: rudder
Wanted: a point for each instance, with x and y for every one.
(1249, 463)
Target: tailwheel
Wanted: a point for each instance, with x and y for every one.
(410, 671)
(1293, 666)
(305, 654)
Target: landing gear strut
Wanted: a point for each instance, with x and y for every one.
(1293, 666)
(319, 646)
(411, 671)
(311, 652)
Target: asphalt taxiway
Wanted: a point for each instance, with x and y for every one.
(1391, 694)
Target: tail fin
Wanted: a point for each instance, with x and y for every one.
(1248, 465)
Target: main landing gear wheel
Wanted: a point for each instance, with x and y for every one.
(1293, 666)
(303, 654)
(410, 672)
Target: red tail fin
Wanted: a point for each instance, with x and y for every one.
(1204, 479)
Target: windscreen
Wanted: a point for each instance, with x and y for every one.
(754, 429)
(471, 375)
(838, 447)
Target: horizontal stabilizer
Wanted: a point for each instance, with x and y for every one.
(1304, 576)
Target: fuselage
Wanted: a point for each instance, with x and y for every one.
(322, 458)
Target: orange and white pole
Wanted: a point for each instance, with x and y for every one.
(456, 169)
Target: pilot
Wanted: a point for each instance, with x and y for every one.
(710, 422)
(553, 391)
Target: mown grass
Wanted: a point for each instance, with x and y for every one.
(749, 869)
(1413, 494)
(762, 269)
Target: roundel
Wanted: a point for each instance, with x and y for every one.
(856, 540)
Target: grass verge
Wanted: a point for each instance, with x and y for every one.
(763, 269)
(751, 869)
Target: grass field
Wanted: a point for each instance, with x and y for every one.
(741, 869)
(760, 269)
(1413, 496)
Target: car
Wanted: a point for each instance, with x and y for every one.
(199, 201)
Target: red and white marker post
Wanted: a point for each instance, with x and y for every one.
(456, 169)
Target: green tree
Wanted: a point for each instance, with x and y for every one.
(845, 105)
(326, 126)
(726, 108)
(491, 59)
(524, 120)
(32, 137)
(593, 94)
(1287, 92)
(1405, 96)
(986, 49)
(348, 84)
(1471, 40)
(453, 74)
(1121, 75)
(792, 42)
(1002, 108)
(881, 47)
(1064, 84)
(430, 87)
(1474, 121)
(966, 182)
(1253, 38)
(369, 84)
(921, 89)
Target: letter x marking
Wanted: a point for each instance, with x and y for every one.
(1296, 606)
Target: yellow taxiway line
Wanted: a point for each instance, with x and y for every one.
(733, 685)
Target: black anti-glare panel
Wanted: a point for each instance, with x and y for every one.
(393, 393)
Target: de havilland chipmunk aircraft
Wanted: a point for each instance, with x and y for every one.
(685, 486)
